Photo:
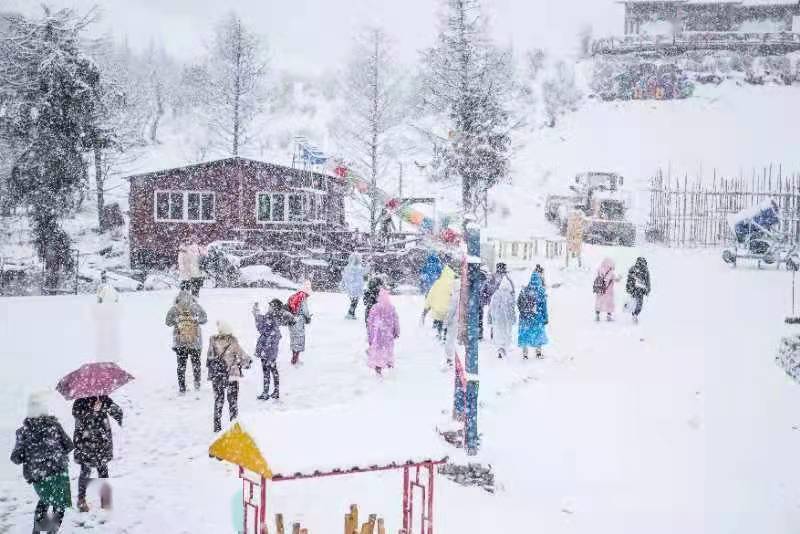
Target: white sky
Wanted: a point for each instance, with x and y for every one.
(314, 35)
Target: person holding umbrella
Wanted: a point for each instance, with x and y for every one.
(90, 387)
(42, 447)
(94, 446)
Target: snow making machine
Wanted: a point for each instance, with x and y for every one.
(757, 235)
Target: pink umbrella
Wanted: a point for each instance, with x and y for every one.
(93, 380)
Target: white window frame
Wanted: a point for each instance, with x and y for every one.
(320, 216)
(185, 215)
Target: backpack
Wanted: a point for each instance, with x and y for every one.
(186, 327)
(526, 302)
(599, 286)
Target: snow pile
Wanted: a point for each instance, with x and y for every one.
(263, 276)
(290, 441)
(788, 357)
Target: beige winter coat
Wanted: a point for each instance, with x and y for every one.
(189, 261)
(235, 358)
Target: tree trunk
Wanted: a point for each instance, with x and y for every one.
(373, 215)
(237, 92)
(99, 182)
(159, 113)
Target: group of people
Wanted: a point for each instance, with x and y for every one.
(637, 286)
(42, 447)
(226, 360)
(528, 308)
(380, 315)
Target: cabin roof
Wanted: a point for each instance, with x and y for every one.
(235, 160)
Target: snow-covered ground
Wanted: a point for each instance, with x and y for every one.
(680, 424)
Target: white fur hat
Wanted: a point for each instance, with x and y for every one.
(224, 328)
(38, 404)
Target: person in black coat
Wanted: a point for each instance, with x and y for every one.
(42, 447)
(638, 285)
(94, 446)
(371, 294)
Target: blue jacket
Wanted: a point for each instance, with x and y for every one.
(429, 273)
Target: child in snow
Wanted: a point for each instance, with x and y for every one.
(353, 282)
(438, 301)
(268, 325)
(185, 318)
(603, 288)
(638, 286)
(503, 315)
(42, 447)
(94, 444)
(491, 285)
(383, 327)
(429, 273)
(225, 361)
(298, 307)
(533, 318)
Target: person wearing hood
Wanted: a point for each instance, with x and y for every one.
(106, 321)
(533, 316)
(353, 282)
(383, 327)
(94, 444)
(429, 273)
(42, 448)
(185, 318)
(638, 286)
(452, 322)
(490, 286)
(603, 287)
(225, 361)
(503, 315)
(189, 270)
(371, 294)
(438, 300)
(269, 336)
(298, 307)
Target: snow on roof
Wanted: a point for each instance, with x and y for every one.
(340, 438)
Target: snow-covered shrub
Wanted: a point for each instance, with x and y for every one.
(788, 357)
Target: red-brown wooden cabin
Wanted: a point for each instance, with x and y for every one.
(270, 207)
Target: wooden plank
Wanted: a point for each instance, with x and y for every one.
(369, 526)
(296, 528)
(348, 524)
(279, 524)
(354, 513)
(381, 527)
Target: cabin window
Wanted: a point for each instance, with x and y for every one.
(200, 206)
(295, 208)
(270, 207)
(190, 206)
(303, 207)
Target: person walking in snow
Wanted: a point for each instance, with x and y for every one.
(185, 318)
(491, 285)
(371, 294)
(383, 327)
(603, 288)
(189, 270)
(42, 448)
(269, 336)
(225, 361)
(533, 316)
(429, 273)
(298, 307)
(438, 301)
(106, 321)
(94, 444)
(503, 315)
(452, 322)
(638, 286)
(353, 282)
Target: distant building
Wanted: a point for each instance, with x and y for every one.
(673, 17)
(269, 207)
